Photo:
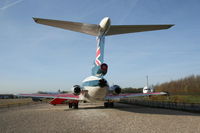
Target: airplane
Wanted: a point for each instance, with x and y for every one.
(148, 89)
(95, 87)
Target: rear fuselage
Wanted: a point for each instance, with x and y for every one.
(96, 89)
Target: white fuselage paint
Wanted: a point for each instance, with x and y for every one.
(94, 93)
(147, 89)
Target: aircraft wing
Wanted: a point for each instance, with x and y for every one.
(38, 95)
(57, 98)
(130, 95)
(123, 29)
(63, 96)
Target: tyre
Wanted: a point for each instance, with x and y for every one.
(111, 105)
(105, 105)
(70, 105)
(75, 105)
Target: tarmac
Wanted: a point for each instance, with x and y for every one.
(94, 118)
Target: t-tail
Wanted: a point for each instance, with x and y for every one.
(100, 31)
(100, 68)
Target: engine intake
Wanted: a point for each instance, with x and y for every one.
(116, 89)
(76, 89)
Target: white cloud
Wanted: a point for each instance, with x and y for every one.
(11, 4)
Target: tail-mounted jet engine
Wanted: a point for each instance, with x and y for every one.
(103, 83)
(115, 89)
(76, 89)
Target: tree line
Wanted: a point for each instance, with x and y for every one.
(186, 86)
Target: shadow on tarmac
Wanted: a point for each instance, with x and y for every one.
(151, 110)
(139, 109)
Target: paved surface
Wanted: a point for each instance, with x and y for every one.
(93, 118)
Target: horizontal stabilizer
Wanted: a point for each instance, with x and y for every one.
(91, 29)
(98, 30)
(123, 29)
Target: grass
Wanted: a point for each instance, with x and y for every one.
(12, 102)
(175, 98)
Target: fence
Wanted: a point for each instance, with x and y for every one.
(161, 104)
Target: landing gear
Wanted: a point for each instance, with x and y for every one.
(70, 105)
(108, 104)
(111, 104)
(73, 105)
(105, 105)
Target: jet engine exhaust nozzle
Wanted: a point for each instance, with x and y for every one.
(103, 83)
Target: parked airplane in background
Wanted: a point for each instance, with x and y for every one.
(95, 87)
(147, 88)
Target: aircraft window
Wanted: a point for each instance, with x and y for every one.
(91, 83)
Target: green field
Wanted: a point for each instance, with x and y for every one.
(13, 102)
(175, 98)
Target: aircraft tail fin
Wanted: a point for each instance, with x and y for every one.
(99, 60)
(123, 29)
(91, 29)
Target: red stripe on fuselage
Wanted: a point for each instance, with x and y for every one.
(98, 52)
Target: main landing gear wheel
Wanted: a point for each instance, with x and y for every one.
(70, 105)
(108, 104)
(73, 105)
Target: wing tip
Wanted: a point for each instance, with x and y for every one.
(35, 19)
(170, 25)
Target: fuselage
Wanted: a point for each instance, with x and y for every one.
(96, 88)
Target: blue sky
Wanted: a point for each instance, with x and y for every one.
(35, 57)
